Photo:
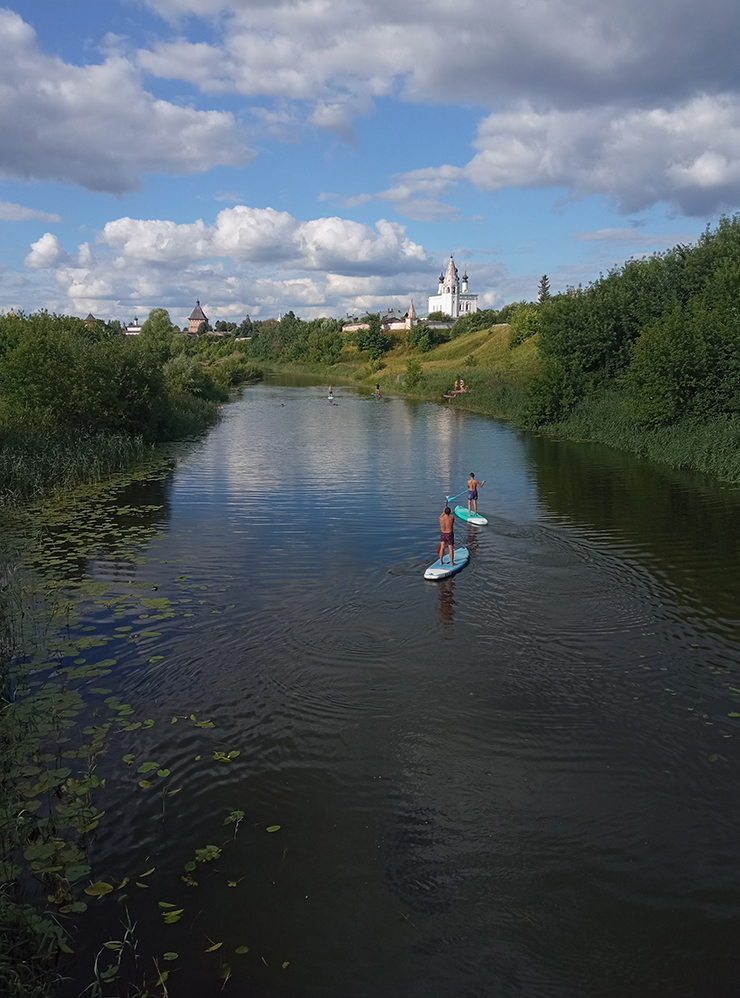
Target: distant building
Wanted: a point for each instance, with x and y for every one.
(90, 320)
(393, 319)
(196, 317)
(133, 328)
(451, 298)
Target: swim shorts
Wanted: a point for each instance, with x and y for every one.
(472, 493)
(447, 538)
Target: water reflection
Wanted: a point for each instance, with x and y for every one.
(447, 601)
(684, 526)
(524, 783)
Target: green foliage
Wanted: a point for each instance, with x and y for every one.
(55, 377)
(156, 332)
(294, 340)
(524, 322)
(424, 339)
(439, 317)
(472, 321)
(78, 403)
(543, 294)
(414, 374)
(186, 375)
(665, 329)
(372, 339)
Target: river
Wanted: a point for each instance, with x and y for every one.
(522, 781)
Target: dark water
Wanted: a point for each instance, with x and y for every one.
(522, 781)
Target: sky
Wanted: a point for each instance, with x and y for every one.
(327, 156)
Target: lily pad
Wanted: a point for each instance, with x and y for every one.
(99, 889)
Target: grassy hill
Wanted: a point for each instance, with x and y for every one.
(495, 375)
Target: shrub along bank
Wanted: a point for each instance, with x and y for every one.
(647, 358)
(78, 403)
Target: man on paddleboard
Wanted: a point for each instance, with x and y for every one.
(447, 535)
(473, 486)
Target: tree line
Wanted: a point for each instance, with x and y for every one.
(60, 376)
(662, 333)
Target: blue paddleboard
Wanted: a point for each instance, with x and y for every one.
(462, 513)
(437, 571)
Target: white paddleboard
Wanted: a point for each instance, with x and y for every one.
(462, 512)
(437, 571)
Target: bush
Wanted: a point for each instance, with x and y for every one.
(473, 321)
(414, 374)
(524, 322)
(54, 377)
(186, 375)
(423, 339)
(664, 328)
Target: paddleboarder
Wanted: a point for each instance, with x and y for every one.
(473, 486)
(447, 535)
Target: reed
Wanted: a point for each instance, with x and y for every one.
(711, 446)
(31, 464)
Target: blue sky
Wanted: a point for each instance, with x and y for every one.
(327, 156)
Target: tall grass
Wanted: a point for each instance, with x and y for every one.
(711, 446)
(30, 464)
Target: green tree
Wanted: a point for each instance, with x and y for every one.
(543, 294)
(524, 322)
(414, 373)
(372, 339)
(156, 333)
(439, 317)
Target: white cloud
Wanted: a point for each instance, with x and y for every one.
(565, 51)
(10, 212)
(251, 259)
(95, 125)
(632, 100)
(264, 236)
(689, 156)
(45, 253)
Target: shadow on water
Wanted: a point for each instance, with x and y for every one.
(684, 526)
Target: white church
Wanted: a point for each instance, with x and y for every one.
(452, 297)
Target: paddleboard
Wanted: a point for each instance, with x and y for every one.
(462, 512)
(437, 571)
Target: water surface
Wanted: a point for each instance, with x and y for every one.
(519, 782)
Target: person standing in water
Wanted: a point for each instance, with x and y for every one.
(473, 486)
(377, 391)
(447, 535)
(330, 392)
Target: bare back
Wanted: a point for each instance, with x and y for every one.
(446, 523)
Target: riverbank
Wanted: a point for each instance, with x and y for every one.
(496, 377)
(498, 381)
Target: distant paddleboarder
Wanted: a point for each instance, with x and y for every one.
(473, 486)
(447, 535)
